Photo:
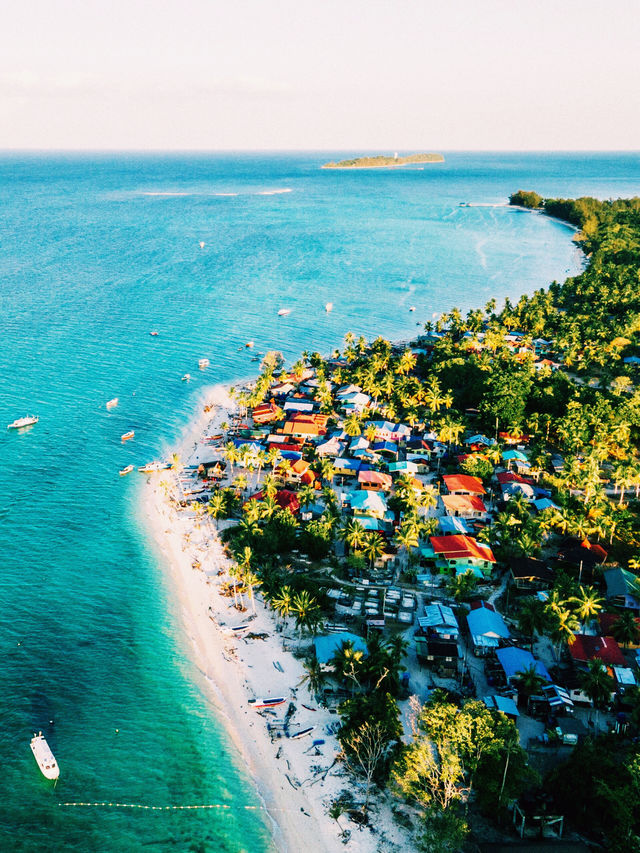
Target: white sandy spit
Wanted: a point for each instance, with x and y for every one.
(295, 780)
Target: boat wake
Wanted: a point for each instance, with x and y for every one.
(274, 192)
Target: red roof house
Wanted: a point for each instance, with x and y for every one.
(284, 498)
(463, 484)
(585, 648)
(461, 548)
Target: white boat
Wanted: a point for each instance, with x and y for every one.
(413, 308)
(202, 244)
(328, 307)
(283, 312)
(19, 423)
(151, 467)
(267, 703)
(111, 404)
(204, 362)
(249, 344)
(45, 758)
(302, 733)
(126, 470)
(153, 333)
(127, 435)
(186, 377)
(236, 630)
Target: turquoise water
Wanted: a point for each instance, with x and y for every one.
(95, 252)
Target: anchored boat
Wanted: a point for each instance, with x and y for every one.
(45, 758)
(127, 435)
(126, 470)
(19, 423)
(111, 404)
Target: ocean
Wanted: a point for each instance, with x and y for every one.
(96, 251)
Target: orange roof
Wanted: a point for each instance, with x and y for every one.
(306, 425)
(463, 503)
(463, 483)
(461, 547)
(265, 412)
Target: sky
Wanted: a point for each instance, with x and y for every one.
(335, 75)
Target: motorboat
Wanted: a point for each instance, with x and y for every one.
(249, 344)
(267, 703)
(126, 470)
(111, 404)
(283, 312)
(127, 435)
(153, 333)
(45, 758)
(19, 423)
(202, 244)
(413, 308)
(152, 467)
(328, 307)
(186, 377)
(204, 362)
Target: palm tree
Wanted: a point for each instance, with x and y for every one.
(597, 684)
(348, 663)
(216, 506)
(251, 581)
(462, 586)
(587, 603)
(282, 603)
(531, 618)
(372, 547)
(252, 510)
(231, 455)
(529, 681)
(269, 486)
(306, 609)
(450, 431)
(353, 534)
(352, 425)
(240, 483)
(625, 629)
(327, 470)
(306, 496)
(563, 625)
(314, 676)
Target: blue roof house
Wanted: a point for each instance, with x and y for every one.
(328, 644)
(514, 660)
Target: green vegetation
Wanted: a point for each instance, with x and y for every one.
(382, 160)
(526, 199)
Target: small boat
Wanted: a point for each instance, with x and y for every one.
(204, 362)
(283, 312)
(126, 470)
(152, 467)
(202, 244)
(302, 733)
(186, 377)
(111, 404)
(19, 423)
(267, 703)
(413, 308)
(127, 435)
(45, 758)
(237, 629)
(153, 333)
(249, 344)
(328, 307)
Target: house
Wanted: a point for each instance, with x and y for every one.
(266, 413)
(345, 467)
(463, 484)
(332, 447)
(387, 431)
(281, 389)
(487, 628)
(623, 588)
(298, 404)
(388, 448)
(404, 467)
(464, 506)
(327, 645)
(531, 574)
(514, 661)
(376, 481)
(443, 653)
(299, 472)
(310, 426)
(480, 441)
(369, 503)
(585, 648)
(440, 620)
(608, 620)
(355, 401)
(504, 704)
(456, 550)
(284, 498)
(516, 458)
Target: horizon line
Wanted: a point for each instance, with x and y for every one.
(62, 150)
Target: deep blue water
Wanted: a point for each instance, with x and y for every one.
(95, 251)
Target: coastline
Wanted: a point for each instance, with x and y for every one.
(294, 782)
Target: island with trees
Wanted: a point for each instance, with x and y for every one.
(382, 161)
(460, 517)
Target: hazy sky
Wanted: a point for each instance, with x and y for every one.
(341, 74)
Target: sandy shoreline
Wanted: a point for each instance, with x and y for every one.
(295, 780)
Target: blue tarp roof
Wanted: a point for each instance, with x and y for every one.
(514, 660)
(453, 524)
(347, 464)
(502, 703)
(326, 646)
(485, 621)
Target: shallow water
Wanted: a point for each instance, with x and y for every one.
(95, 252)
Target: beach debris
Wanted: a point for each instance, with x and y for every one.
(308, 707)
(278, 665)
(293, 782)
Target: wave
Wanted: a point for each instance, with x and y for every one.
(274, 192)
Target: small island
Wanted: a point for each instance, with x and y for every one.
(381, 161)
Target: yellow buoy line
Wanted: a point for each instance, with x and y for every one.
(223, 806)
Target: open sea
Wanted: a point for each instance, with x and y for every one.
(95, 252)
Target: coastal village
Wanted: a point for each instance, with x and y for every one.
(462, 602)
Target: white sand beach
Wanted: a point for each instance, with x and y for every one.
(296, 780)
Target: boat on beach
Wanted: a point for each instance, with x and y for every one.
(302, 733)
(283, 312)
(20, 423)
(267, 703)
(44, 757)
(152, 467)
(111, 404)
(127, 435)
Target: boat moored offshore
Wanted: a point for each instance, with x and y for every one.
(44, 757)
(126, 470)
(111, 404)
(27, 420)
(283, 312)
(204, 362)
(127, 435)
